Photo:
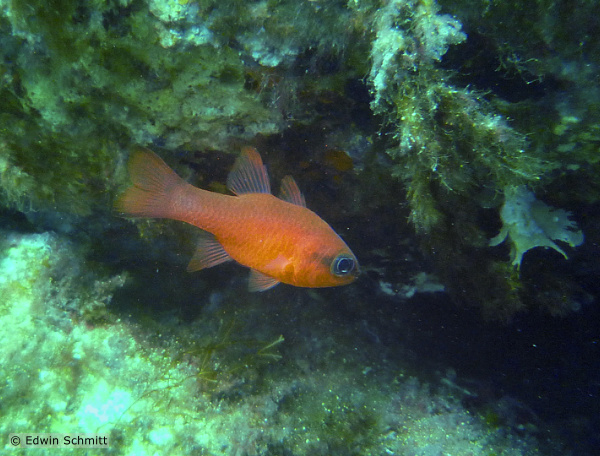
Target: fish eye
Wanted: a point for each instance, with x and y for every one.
(343, 265)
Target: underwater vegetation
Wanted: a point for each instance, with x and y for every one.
(454, 145)
(465, 144)
(221, 385)
(82, 80)
(464, 109)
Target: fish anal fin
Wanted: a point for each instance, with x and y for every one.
(260, 282)
(209, 253)
(248, 174)
(290, 192)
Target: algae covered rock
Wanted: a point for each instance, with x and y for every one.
(492, 97)
(80, 81)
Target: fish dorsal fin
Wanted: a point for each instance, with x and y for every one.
(209, 253)
(260, 282)
(248, 175)
(290, 192)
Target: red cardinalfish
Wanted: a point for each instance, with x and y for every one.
(279, 239)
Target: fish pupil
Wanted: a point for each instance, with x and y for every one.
(343, 265)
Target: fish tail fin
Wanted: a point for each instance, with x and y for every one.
(153, 185)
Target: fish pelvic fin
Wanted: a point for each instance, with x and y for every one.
(248, 174)
(153, 183)
(260, 282)
(209, 253)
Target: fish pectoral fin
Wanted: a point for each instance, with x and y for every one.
(209, 253)
(248, 175)
(290, 192)
(260, 282)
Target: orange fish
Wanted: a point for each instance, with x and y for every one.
(279, 239)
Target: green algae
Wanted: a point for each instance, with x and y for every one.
(81, 82)
(144, 381)
(457, 143)
(91, 78)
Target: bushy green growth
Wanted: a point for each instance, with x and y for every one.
(86, 79)
(456, 149)
(334, 420)
(58, 172)
(221, 355)
(446, 139)
(536, 37)
(144, 383)
(550, 43)
(457, 144)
